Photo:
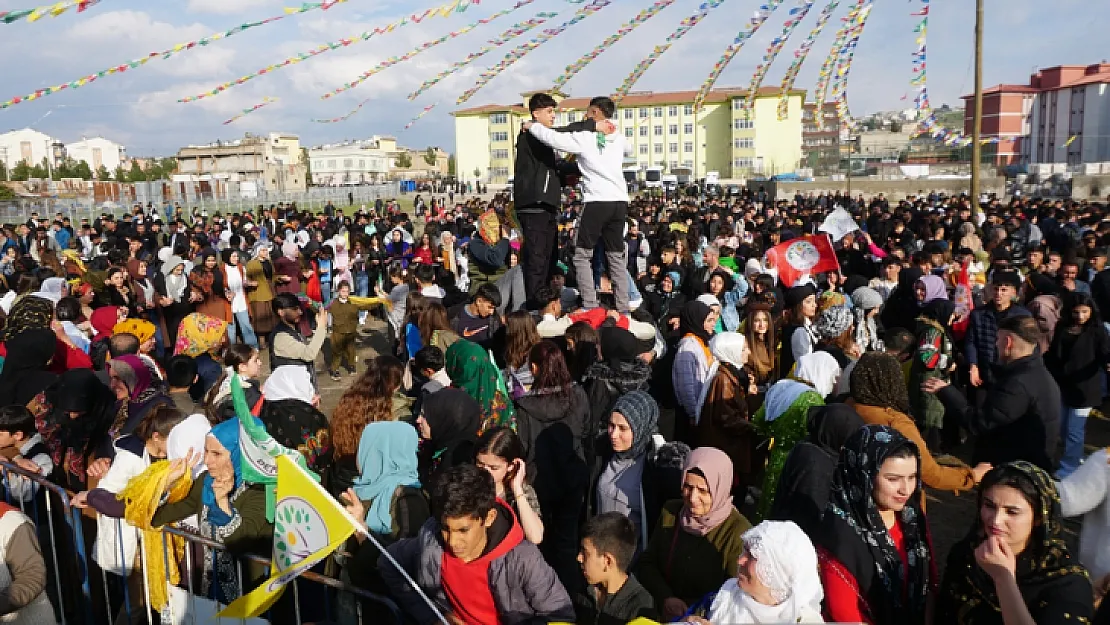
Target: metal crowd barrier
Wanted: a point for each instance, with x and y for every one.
(82, 593)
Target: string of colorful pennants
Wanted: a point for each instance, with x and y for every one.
(572, 70)
(455, 6)
(800, 57)
(520, 51)
(165, 54)
(733, 48)
(684, 27)
(336, 120)
(515, 31)
(797, 14)
(422, 113)
(265, 102)
(53, 10)
(844, 66)
(828, 67)
(427, 45)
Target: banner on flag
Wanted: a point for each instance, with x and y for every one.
(308, 525)
(964, 303)
(838, 224)
(798, 258)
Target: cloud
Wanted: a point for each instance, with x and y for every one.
(228, 7)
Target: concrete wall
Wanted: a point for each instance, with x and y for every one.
(893, 189)
(1091, 187)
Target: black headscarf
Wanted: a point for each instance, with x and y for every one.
(29, 312)
(852, 530)
(454, 418)
(693, 320)
(72, 441)
(24, 374)
(901, 308)
(1046, 570)
(831, 425)
(878, 380)
(939, 310)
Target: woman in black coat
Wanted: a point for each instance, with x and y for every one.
(1077, 360)
(803, 487)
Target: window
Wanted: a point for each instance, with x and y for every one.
(673, 148)
(737, 104)
(499, 172)
(643, 113)
(672, 110)
(643, 131)
(331, 163)
(743, 124)
(688, 146)
(688, 109)
(673, 165)
(572, 117)
(688, 129)
(689, 164)
(628, 114)
(347, 162)
(659, 131)
(643, 149)
(658, 111)
(500, 136)
(742, 162)
(499, 154)
(672, 129)
(743, 143)
(628, 132)
(361, 164)
(658, 148)
(499, 118)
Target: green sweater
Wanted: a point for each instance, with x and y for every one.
(786, 431)
(679, 564)
(344, 316)
(253, 533)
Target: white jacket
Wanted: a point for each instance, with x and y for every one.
(602, 167)
(1087, 492)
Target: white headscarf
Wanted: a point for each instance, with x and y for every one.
(188, 435)
(786, 563)
(289, 382)
(726, 346)
(52, 289)
(819, 369)
(175, 285)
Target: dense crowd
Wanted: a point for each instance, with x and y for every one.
(704, 443)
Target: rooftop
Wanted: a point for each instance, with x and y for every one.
(639, 98)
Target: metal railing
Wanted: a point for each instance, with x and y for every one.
(83, 593)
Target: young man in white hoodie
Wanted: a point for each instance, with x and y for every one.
(601, 160)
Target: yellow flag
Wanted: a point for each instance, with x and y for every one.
(308, 525)
(1070, 140)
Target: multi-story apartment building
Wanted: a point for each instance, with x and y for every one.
(662, 131)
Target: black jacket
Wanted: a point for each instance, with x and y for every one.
(552, 429)
(1020, 418)
(1078, 362)
(604, 383)
(536, 173)
(629, 603)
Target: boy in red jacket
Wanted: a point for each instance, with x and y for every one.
(471, 559)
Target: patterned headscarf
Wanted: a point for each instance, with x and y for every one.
(199, 334)
(832, 322)
(30, 311)
(852, 530)
(471, 369)
(969, 592)
(877, 380)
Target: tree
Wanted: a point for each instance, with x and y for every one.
(102, 173)
(120, 174)
(6, 193)
(430, 157)
(3, 172)
(477, 173)
(404, 161)
(21, 171)
(136, 174)
(41, 171)
(451, 165)
(307, 163)
(169, 166)
(83, 171)
(895, 125)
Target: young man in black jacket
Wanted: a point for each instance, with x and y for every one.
(538, 177)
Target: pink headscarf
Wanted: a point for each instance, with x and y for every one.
(716, 467)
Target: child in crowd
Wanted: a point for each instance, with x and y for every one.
(612, 596)
(472, 560)
(344, 330)
(23, 599)
(478, 321)
(429, 363)
(181, 374)
(20, 441)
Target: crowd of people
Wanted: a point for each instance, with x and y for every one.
(641, 418)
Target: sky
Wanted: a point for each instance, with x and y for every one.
(139, 108)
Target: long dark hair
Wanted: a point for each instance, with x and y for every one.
(552, 374)
(433, 318)
(520, 337)
(1074, 300)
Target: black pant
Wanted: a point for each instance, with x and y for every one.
(605, 221)
(540, 243)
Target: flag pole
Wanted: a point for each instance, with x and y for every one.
(366, 533)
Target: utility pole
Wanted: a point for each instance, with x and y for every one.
(977, 116)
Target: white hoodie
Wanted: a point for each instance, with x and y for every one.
(602, 168)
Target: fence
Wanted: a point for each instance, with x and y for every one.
(82, 593)
(205, 199)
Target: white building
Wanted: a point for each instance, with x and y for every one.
(271, 162)
(28, 145)
(354, 162)
(97, 152)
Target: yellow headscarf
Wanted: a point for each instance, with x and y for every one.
(139, 327)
